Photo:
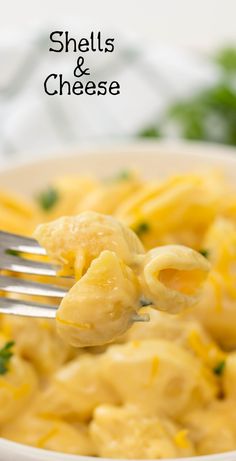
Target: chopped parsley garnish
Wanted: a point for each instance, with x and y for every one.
(142, 228)
(219, 368)
(204, 252)
(123, 175)
(48, 198)
(12, 252)
(5, 356)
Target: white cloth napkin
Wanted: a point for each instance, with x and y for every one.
(150, 78)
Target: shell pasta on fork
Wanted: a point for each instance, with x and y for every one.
(113, 274)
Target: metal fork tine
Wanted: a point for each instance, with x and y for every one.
(10, 284)
(20, 243)
(25, 266)
(26, 309)
(14, 285)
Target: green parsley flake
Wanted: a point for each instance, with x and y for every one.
(142, 228)
(204, 252)
(123, 175)
(219, 368)
(5, 356)
(12, 252)
(48, 198)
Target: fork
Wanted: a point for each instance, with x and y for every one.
(12, 246)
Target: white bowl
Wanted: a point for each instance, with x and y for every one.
(152, 160)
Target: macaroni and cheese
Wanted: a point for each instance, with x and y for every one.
(96, 381)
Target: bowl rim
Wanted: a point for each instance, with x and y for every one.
(131, 147)
(205, 151)
(40, 454)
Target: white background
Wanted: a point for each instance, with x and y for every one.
(200, 24)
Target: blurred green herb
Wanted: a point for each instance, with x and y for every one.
(204, 252)
(123, 175)
(209, 114)
(48, 198)
(219, 368)
(226, 59)
(12, 252)
(142, 228)
(5, 356)
(150, 132)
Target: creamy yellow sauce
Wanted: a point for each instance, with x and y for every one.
(94, 382)
(115, 272)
